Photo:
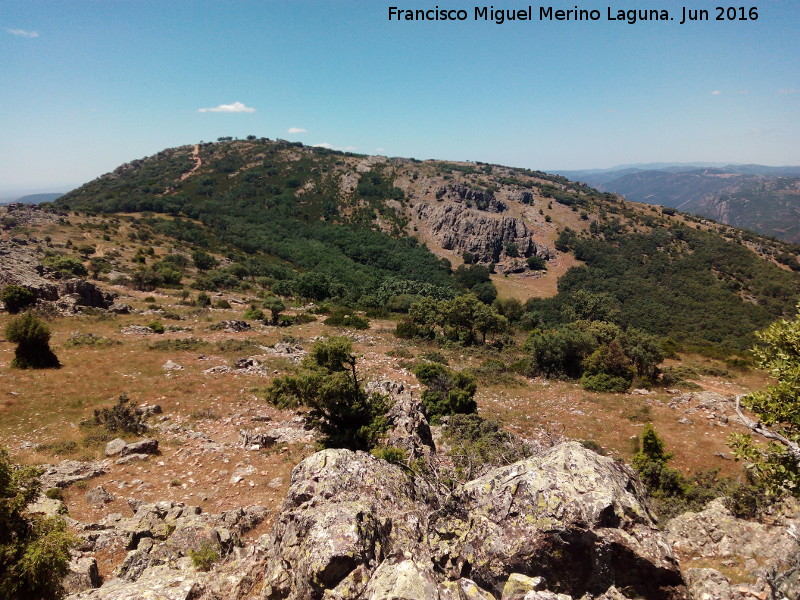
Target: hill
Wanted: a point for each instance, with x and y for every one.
(365, 229)
(199, 289)
(756, 197)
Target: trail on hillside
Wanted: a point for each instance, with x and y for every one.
(198, 162)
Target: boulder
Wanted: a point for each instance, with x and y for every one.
(578, 519)
(145, 446)
(354, 526)
(86, 293)
(115, 446)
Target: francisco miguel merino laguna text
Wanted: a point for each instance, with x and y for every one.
(548, 13)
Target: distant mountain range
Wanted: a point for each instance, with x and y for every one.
(756, 197)
(32, 198)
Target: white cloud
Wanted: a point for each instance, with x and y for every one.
(332, 147)
(380, 150)
(716, 93)
(23, 33)
(789, 91)
(296, 130)
(236, 107)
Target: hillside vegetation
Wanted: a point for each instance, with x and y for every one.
(365, 230)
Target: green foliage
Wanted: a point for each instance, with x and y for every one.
(777, 408)
(121, 417)
(604, 382)
(341, 318)
(275, 306)
(32, 337)
(156, 326)
(66, 266)
(254, 314)
(559, 352)
(204, 557)
(684, 283)
(17, 298)
(189, 344)
(203, 300)
(447, 392)
(391, 454)
(89, 340)
(203, 261)
(34, 550)
(339, 407)
(477, 444)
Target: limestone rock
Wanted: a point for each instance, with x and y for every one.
(145, 446)
(576, 518)
(233, 326)
(354, 526)
(19, 266)
(518, 585)
(484, 235)
(68, 472)
(86, 293)
(409, 427)
(82, 575)
(115, 446)
(171, 365)
(120, 308)
(707, 584)
(98, 496)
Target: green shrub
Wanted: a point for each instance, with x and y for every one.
(446, 392)
(603, 382)
(343, 319)
(204, 557)
(34, 550)
(477, 444)
(32, 337)
(121, 417)
(156, 326)
(222, 304)
(189, 344)
(434, 356)
(54, 494)
(17, 298)
(390, 454)
(91, 340)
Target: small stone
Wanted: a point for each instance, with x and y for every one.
(115, 446)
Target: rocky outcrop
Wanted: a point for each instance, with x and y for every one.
(79, 292)
(486, 236)
(355, 526)
(767, 555)
(19, 266)
(461, 193)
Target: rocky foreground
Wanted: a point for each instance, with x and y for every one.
(565, 524)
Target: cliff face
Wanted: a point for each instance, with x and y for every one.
(489, 237)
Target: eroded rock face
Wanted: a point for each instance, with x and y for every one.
(482, 200)
(354, 526)
(466, 230)
(85, 293)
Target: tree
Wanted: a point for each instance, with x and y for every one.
(346, 415)
(777, 463)
(32, 337)
(203, 261)
(275, 306)
(447, 392)
(17, 298)
(34, 550)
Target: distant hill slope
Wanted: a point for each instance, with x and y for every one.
(369, 230)
(756, 197)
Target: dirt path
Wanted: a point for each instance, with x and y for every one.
(197, 164)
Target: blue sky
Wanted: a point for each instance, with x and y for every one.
(88, 85)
